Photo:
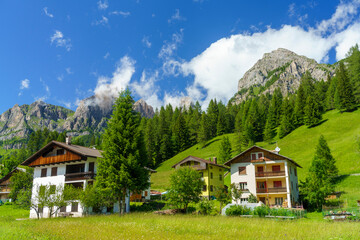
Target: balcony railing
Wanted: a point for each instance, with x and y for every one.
(79, 176)
(270, 174)
(271, 190)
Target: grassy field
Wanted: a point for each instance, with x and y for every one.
(340, 130)
(150, 226)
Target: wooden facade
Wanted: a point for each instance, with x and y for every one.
(246, 157)
(67, 157)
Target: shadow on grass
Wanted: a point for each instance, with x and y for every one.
(208, 143)
(341, 178)
(318, 124)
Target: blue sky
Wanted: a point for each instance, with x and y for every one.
(64, 51)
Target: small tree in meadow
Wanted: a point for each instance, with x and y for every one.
(225, 150)
(252, 199)
(185, 187)
(222, 195)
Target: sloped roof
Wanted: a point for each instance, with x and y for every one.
(7, 176)
(80, 150)
(263, 149)
(200, 160)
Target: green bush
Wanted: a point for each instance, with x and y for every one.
(205, 206)
(147, 206)
(238, 210)
(262, 211)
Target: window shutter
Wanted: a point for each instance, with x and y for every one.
(43, 172)
(54, 171)
(276, 168)
(91, 167)
(74, 207)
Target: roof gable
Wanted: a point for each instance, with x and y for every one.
(245, 156)
(73, 153)
(197, 159)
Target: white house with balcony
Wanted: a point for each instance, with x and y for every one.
(60, 164)
(269, 176)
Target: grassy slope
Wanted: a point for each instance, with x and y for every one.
(151, 226)
(340, 131)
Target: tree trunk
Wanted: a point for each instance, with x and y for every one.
(220, 207)
(120, 206)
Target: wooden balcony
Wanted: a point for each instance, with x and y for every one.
(270, 174)
(271, 190)
(79, 176)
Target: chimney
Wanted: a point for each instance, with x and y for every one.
(68, 140)
(215, 160)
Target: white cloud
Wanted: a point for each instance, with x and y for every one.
(103, 21)
(108, 89)
(68, 70)
(60, 78)
(103, 5)
(168, 49)
(291, 9)
(47, 92)
(106, 55)
(121, 13)
(146, 42)
(347, 39)
(176, 17)
(60, 41)
(343, 15)
(147, 90)
(47, 13)
(25, 84)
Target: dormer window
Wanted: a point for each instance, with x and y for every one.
(257, 155)
(60, 152)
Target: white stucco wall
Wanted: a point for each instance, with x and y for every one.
(249, 177)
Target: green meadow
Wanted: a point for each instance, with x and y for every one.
(151, 226)
(341, 131)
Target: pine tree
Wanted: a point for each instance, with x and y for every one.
(225, 150)
(253, 127)
(312, 112)
(321, 177)
(277, 101)
(270, 126)
(213, 114)
(330, 99)
(353, 60)
(287, 119)
(181, 134)
(122, 167)
(300, 106)
(221, 123)
(204, 134)
(344, 97)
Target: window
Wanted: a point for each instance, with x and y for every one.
(243, 200)
(211, 175)
(43, 172)
(211, 188)
(210, 167)
(220, 169)
(201, 174)
(277, 184)
(278, 201)
(255, 156)
(54, 171)
(74, 207)
(276, 168)
(242, 170)
(196, 163)
(243, 185)
(91, 166)
(75, 168)
(220, 177)
(260, 169)
(261, 185)
(60, 152)
(204, 188)
(52, 189)
(63, 209)
(295, 171)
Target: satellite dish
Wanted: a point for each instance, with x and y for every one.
(277, 149)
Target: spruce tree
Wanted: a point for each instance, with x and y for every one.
(213, 114)
(300, 106)
(253, 127)
(321, 177)
(225, 150)
(312, 112)
(204, 134)
(353, 60)
(277, 101)
(121, 170)
(181, 133)
(221, 124)
(287, 119)
(270, 126)
(330, 94)
(344, 97)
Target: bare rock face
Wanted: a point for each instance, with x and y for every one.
(283, 69)
(144, 109)
(186, 102)
(18, 121)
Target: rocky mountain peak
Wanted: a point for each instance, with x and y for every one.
(144, 109)
(281, 68)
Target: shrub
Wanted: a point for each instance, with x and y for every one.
(205, 206)
(147, 207)
(238, 210)
(261, 211)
